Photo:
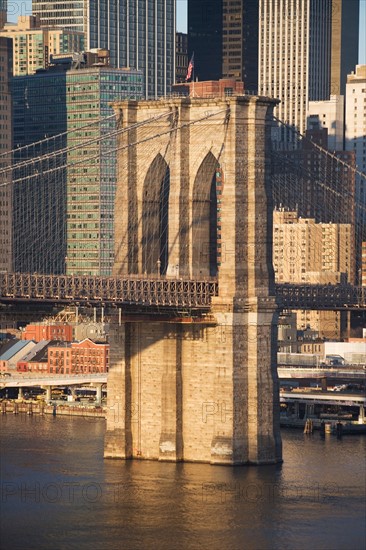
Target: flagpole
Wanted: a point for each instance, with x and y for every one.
(190, 73)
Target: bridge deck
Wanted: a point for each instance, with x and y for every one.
(18, 287)
(163, 292)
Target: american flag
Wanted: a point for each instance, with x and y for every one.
(190, 67)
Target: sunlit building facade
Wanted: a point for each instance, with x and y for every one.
(33, 46)
(139, 35)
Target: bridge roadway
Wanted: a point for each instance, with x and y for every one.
(293, 372)
(324, 398)
(29, 380)
(135, 292)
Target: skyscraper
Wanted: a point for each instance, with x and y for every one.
(139, 34)
(224, 36)
(355, 124)
(181, 57)
(58, 13)
(344, 43)
(205, 37)
(5, 158)
(240, 42)
(305, 52)
(2, 13)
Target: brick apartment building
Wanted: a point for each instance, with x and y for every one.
(83, 357)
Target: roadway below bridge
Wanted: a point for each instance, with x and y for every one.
(330, 373)
(52, 380)
(327, 398)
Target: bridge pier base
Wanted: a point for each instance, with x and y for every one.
(118, 440)
(194, 392)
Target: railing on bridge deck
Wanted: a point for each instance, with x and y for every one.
(163, 292)
(132, 290)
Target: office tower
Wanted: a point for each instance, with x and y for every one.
(65, 15)
(284, 57)
(3, 8)
(356, 122)
(33, 45)
(205, 37)
(223, 34)
(139, 34)
(68, 222)
(304, 50)
(91, 184)
(316, 185)
(355, 140)
(240, 42)
(181, 57)
(5, 159)
(344, 42)
(328, 114)
(39, 112)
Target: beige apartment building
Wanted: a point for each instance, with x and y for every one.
(33, 45)
(314, 253)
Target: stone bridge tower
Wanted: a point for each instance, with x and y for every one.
(195, 202)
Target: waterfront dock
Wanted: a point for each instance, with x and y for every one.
(329, 408)
(40, 408)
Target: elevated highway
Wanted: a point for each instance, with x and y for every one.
(330, 373)
(36, 380)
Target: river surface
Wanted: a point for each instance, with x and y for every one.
(58, 493)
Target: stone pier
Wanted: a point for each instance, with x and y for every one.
(199, 205)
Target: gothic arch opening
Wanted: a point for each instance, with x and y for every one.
(155, 218)
(205, 219)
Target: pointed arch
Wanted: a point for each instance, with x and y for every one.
(204, 219)
(155, 218)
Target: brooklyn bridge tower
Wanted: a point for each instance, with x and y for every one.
(193, 202)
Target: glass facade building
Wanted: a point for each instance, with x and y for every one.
(63, 219)
(140, 34)
(39, 196)
(5, 157)
(91, 178)
(223, 34)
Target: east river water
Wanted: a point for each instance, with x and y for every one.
(58, 493)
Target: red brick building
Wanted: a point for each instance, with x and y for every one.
(38, 332)
(80, 357)
(210, 88)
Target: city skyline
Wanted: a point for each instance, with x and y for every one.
(21, 7)
(138, 35)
